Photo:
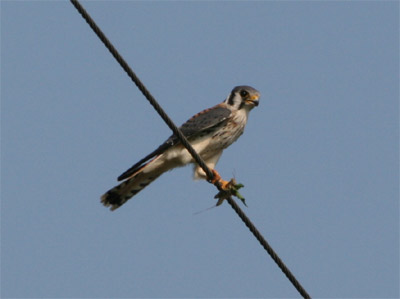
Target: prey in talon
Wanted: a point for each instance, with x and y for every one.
(231, 189)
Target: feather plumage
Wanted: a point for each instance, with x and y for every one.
(209, 132)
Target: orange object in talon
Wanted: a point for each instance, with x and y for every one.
(216, 178)
(224, 184)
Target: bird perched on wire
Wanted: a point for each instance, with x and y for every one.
(209, 132)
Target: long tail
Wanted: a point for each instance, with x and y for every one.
(120, 194)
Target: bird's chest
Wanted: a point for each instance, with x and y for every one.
(212, 141)
(227, 133)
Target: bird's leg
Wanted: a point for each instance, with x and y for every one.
(227, 188)
(217, 178)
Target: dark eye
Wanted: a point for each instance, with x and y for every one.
(244, 93)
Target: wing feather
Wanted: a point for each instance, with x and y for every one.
(195, 126)
(163, 147)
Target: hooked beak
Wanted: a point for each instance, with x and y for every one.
(253, 100)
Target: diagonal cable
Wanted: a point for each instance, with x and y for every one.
(268, 248)
(142, 88)
(187, 145)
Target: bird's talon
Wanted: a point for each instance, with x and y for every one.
(225, 185)
(215, 178)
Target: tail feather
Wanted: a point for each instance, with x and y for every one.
(120, 194)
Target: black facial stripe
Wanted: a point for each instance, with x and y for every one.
(230, 100)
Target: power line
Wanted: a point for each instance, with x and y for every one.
(187, 145)
(268, 248)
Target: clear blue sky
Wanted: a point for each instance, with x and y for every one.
(319, 158)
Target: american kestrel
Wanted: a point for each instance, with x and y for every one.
(209, 132)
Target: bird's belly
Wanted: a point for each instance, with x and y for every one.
(210, 145)
(180, 155)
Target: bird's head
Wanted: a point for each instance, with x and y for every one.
(243, 97)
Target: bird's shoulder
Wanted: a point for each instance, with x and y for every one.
(205, 119)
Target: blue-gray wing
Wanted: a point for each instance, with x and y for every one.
(197, 125)
(202, 122)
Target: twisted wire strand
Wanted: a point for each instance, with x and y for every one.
(268, 248)
(187, 145)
